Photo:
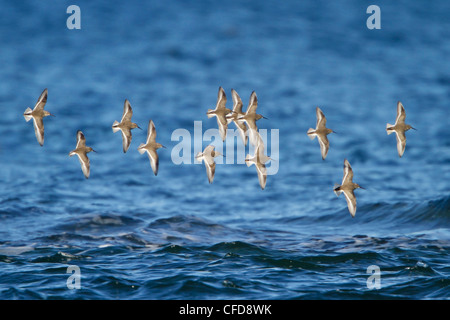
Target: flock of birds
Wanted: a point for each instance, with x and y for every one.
(248, 130)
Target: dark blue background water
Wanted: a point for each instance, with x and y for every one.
(174, 236)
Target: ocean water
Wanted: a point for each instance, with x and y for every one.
(134, 235)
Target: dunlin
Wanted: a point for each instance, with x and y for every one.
(237, 112)
(208, 156)
(38, 114)
(81, 151)
(347, 186)
(399, 128)
(259, 159)
(321, 133)
(250, 117)
(220, 113)
(125, 125)
(151, 146)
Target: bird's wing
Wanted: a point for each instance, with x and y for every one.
(151, 133)
(262, 174)
(348, 172)
(85, 164)
(351, 201)
(38, 123)
(42, 100)
(221, 99)
(324, 145)
(401, 142)
(81, 140)
(321, 120)
(401, 114)
(126, 138)
(223, 126)
(242, 130)
(237, 102)
(253, 104)
(127, 111)
(154, 160)
(210, 170)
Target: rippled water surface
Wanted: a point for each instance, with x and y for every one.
(134, 235)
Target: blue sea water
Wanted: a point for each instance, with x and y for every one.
(134, 235)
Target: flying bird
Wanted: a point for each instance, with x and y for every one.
(220, 112)
(38, 114)
(125, 125)
(81, 151)
(250, 117)
(399, 128)
(208, 156)
(150, 146)
(347, 187)
(259, 159)
(237, 112)
(321, 133)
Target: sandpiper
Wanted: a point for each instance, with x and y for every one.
(237, 112)
(321, 133)
(81, 151)
(250, 117)
(347, 186)
(151, 146)
(399, 128)
(220, 113)
(208, 156)
(38, 114)
(125, 125)
(259, 159)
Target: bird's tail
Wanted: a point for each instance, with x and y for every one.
(209, 114)
(141, 149)
(389, 128)
(27, 114)
(337, 190)
(247, 161)
(311, 133)
(114, 126)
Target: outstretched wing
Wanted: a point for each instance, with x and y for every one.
(85, 164)
(262, 174)
(401, 142)
(81, 140)
(321, 120)
(127, 111)
(151, 134)
(126, 138)
(401, 114)
(348, 172)
(221, 99)
(324, 145)
(154, 160)
(42, 100)
(253, 104)
(351, 201)
(38, 124)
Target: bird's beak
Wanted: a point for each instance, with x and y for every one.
(94, 150)
(413, 128)
(163, 147)
(264, 117)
